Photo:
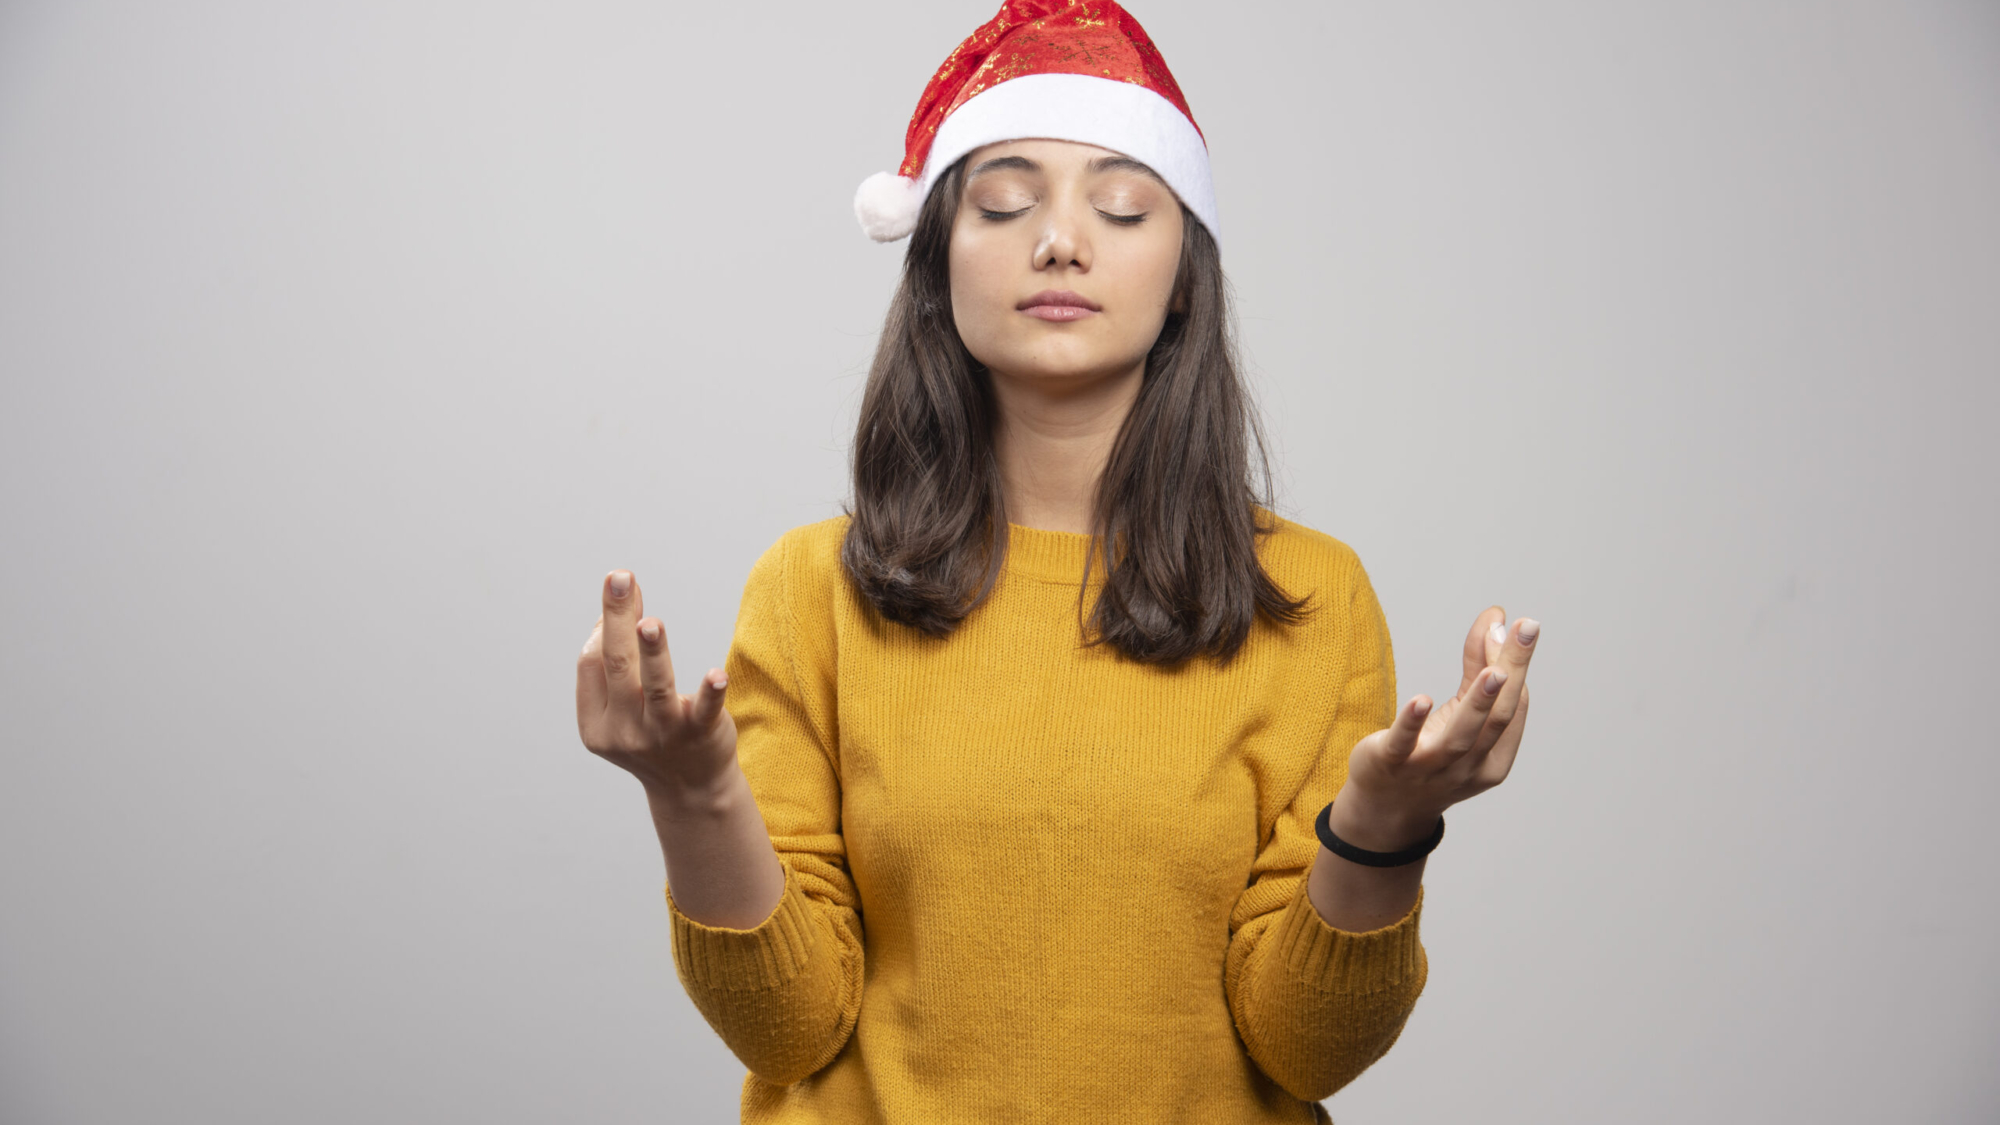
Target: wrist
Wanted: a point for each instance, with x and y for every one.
(1379, 826)
(684, 796)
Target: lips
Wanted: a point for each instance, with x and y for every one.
(1059, 305)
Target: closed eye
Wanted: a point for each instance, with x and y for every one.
(1125, 220)
(1001, 216)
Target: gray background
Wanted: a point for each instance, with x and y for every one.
(347, 345)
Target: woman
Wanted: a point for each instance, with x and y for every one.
(1059, 778)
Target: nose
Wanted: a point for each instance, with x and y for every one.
(1062, 242)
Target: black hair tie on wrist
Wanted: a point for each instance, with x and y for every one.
(1347, 851)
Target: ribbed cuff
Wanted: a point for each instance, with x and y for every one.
(1339, 961)
(767, 955)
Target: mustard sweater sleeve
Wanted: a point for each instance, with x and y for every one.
(784, 995)
(1316, 1006)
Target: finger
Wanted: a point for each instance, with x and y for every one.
(1515, 655)
(1500, 760)
(656, 673)
(590, 678)
(1496, 641)
(621, 639)
(708, 698)
(1476, 652)
(1402, 734)
(1462, 731)
(1518, 646)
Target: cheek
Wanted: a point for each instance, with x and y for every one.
(1151, 286)
(1163, 267)
(977, 286)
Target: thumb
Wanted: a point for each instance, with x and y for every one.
(1402, 734)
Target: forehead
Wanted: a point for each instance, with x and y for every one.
(1052, 156)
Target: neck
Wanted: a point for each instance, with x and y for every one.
(1052, 443)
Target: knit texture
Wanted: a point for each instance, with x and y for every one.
(1030, 881)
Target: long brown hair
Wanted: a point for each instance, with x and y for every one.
(928, 528)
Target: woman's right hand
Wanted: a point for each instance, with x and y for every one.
(629, 712)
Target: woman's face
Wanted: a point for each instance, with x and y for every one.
(1062, 261)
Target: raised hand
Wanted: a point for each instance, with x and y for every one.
(1402, 778)
(628, 710)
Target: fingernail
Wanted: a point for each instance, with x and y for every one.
(1498, 634)
(1493, 681)
(721, 681)
(651, 631)
(621, 583)
(1530, 629)
(1420, 707)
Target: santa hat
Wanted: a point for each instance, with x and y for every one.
(1056, 69)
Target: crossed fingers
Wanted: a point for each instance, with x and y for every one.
(1516, 647)
(1484, 721)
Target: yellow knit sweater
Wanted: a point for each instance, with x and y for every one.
(1027, 881)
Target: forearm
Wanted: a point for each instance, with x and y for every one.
(1355, 897)
(1325, 990)
(721, 866)
(776, 974)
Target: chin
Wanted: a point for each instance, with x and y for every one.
(1059, 372)
(1063, 364)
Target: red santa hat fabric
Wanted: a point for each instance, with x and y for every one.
(1064, 70)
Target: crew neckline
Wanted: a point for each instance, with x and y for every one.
(1054, 556)
(1058, 556)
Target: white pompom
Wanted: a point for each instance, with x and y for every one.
(887, 205)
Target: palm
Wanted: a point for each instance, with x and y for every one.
(1427, 761)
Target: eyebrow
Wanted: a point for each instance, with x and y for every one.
(1001, 163)
(1123, 164)
(1101, 164)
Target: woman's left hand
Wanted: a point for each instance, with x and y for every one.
(1401, 779)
